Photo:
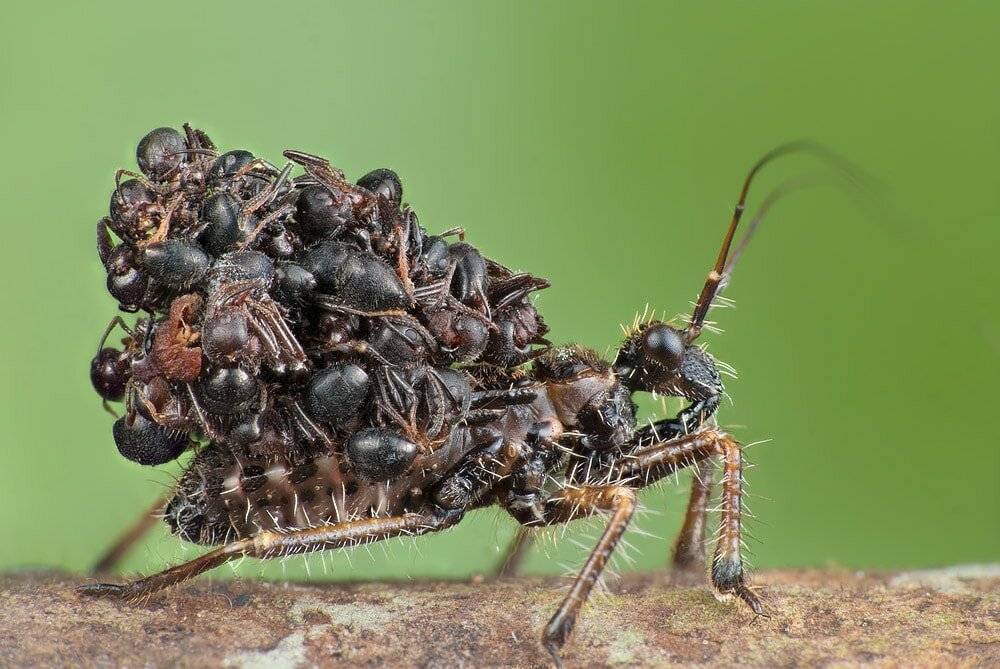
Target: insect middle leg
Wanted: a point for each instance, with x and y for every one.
(570, 504)
(270, 544)
(689, 548)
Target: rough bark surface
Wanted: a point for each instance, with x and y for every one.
(946, 617)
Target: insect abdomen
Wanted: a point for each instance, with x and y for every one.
(225, 496)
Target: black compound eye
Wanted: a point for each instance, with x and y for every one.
(146, 442)
(385, 182)
(378, 455)
(664, 344)
(160, 152)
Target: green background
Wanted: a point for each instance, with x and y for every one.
(600, 145)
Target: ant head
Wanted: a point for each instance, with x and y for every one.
(658, 357)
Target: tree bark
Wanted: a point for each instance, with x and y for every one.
(946, 617)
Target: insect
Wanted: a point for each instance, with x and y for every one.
(344, 377)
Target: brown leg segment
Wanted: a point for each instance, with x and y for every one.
(653, 462)
(277, 544)
(575, 503)
(689, 548)
(132, 536)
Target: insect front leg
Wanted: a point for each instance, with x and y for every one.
(689, 550)
(650, 463)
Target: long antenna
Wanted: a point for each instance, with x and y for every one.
(716, 277)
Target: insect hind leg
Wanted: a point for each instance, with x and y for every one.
(271, 544)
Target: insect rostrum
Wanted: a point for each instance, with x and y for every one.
(345, 377)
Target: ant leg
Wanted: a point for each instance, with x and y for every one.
(570, 504)
(516, 553)
(652, 462)
(130, 538)
(271, 544)
(689, 548)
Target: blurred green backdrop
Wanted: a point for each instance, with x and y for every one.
(601, 146)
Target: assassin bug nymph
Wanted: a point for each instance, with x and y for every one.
(549, 440)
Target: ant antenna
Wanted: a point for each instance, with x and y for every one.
(719, 274)
(117, 320)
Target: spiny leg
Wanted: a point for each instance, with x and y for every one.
(652, 462)
(567, 505)
(113, 556)
(270, 544)
(689, 548)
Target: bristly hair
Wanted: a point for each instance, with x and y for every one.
(565, 362)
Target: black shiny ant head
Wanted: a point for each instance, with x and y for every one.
(109, 373)
(225, 336)
(147, 443)
(335, 394)
(293, 282)
(468, 283)
(435, 258)
(379, 455)
(126, 282)
(401, 342)
(228, 391)
(128, 202)
(160, 153)
(461, 337)
(384, 182)
(321, 210)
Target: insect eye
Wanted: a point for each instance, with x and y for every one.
(664, 344)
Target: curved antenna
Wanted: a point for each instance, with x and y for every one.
(713, 284)
(790, 186)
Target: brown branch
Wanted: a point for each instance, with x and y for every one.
(945, 617)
